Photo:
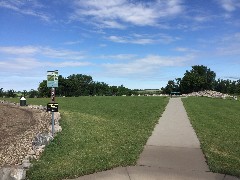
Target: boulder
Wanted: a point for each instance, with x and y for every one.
(5, 172)
(42, 139)
(12, 173)
(17, 174)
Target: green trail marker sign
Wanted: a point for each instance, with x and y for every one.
(52, 79)
(52, 82)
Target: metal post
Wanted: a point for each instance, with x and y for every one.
(53, 101)
(53, 124)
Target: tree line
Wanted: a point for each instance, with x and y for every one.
(72, 86)
(12, 93)
(201, 78)
(82, 85)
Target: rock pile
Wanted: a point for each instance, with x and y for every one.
(208, 93)
(15, 158)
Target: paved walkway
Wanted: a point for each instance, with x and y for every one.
(172, 152)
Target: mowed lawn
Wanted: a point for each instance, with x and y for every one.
(217, 124)
(99, 133)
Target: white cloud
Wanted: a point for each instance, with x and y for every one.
(228, 50)
(26, 73)
(233, 37)
(102, 45)
(185, 50)
(23, 50)
(181, 49)
(18, 65)
(69, 64)
(111, 24)
(72, 42)
(229, 5)
(150, 64)
(143, 39)
(62, 53)
(118, 57)
(29, 58)
(32, 8)
(202, 18)
(43, 51)
(229, 45)
(118, 13)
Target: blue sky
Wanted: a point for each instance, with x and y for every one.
(138, 43)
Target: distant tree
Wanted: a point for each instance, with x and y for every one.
(113, 90)
(60, 90)
(102, 89)
(232, 87)
(81, 85)
(43, 90)
(11, 93)
(123, 91)
(237, 90)
(169, 88)
(33, 93)
(24, 93)
(198, 79)
(201, 78)
(227, 86)
(1, 92)
(178, 84)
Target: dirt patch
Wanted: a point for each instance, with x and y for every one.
(18, 127)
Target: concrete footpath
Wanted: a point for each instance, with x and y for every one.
(172, 152)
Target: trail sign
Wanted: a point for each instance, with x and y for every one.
(52, 78)
(52, 82)
(53, 107)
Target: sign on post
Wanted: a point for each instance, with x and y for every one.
(52, 82)
(53, 107)
(52, 78)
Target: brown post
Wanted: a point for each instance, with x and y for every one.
(53, 95)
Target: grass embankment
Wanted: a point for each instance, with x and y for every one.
(99, 133)
(217, 124)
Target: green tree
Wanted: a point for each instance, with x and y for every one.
(33, 93)
(123, 91)
(1, 92)
(81, 85)
(178, 84)
(24, 93)
(237, 91)
(11, 93)
(170, 87)
(198, 79)
(43, 90)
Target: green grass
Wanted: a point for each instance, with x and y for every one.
(99, 133)
(217, 124)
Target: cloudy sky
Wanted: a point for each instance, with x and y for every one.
(138, 43)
